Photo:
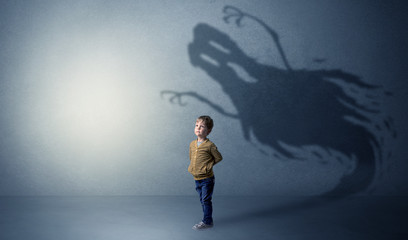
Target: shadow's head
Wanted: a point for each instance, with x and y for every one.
(218, 55)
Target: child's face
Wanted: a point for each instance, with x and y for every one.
(201, 129)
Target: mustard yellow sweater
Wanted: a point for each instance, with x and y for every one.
(203, 158)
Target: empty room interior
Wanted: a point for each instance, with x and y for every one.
(207, 119)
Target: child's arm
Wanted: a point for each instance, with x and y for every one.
(217, 155)
(189, 152)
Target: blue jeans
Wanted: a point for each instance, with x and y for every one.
(205, 188)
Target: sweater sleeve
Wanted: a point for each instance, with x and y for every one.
(189, 151)
(216, 154)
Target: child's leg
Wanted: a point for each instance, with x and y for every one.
(205, 189)
(199, 189)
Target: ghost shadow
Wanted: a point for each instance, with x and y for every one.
(286, 108)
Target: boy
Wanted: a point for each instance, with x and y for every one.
(203, 156)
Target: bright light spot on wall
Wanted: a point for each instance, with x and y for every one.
(94, 104)
(84, 102)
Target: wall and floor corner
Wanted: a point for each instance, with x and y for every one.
(99, 98)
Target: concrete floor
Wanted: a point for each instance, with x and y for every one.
(167, 217)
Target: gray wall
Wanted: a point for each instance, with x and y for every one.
(86, 90)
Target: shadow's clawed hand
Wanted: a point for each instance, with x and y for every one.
(175, 97)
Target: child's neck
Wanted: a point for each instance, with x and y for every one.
(201, 139)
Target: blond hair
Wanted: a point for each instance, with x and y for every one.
(207, 120)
